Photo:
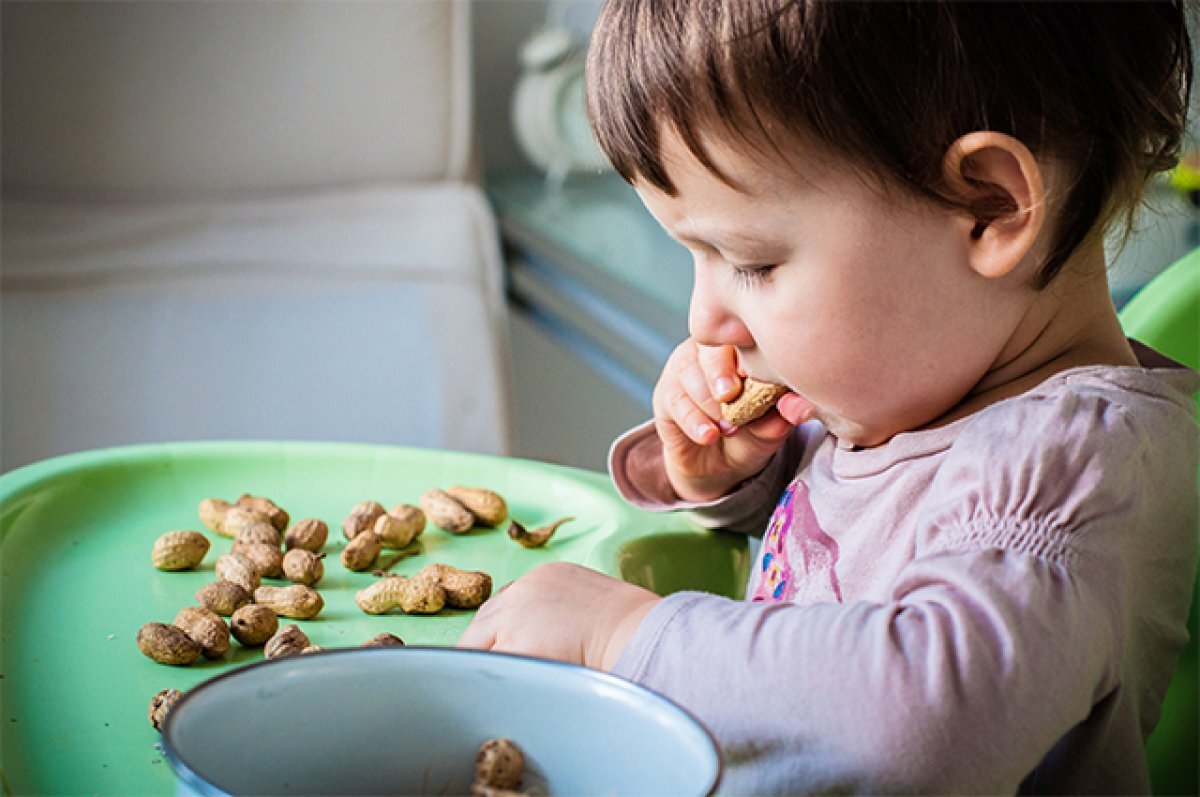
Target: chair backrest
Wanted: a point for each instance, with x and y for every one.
(1165, 315)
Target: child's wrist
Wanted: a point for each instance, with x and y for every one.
(624, 632)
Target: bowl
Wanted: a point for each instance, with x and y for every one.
(409, 721)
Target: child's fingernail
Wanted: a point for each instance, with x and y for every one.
(724, 386)
(726, 427)
(700, 432)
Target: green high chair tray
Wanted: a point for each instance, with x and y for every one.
(76, 581)
(1165, 315)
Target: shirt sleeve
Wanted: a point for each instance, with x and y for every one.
(995, 641)
(635, 464)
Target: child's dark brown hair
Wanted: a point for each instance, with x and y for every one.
(1101, 88)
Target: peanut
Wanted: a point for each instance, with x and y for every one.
(297, 601)
(222, 597)
(160, 706)
(488, 507)
(204, 626)
(288, 641)
(756, 398)
(253, 625)
(409, 595)
(499, 764)
(167, 644)
(309, 534)
(179, 550)
(239, 569)
(446, 512)
(360, 553)
(362, 518)
(384, 640)
(238, 518)
(267, 559)
(276, 514)
(212, 513)
(537, 537)
(262, 532)
(303, 567)
(400, 526)
(465, 589)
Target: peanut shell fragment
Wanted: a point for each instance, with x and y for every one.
(756, 398)
(537, 537)
(488, 507)
(179, 550)
(167, 644)
(160, 706)
(446, 512)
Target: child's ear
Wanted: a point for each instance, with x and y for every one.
(999, 183)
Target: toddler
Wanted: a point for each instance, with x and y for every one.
(977, 499)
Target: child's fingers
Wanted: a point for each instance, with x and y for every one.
(676, 409)
(720, 367)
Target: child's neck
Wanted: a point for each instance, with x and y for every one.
(1071, 323)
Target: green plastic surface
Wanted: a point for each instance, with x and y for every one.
(1165, 315)
(76, 582)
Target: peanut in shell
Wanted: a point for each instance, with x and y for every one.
(755, 400)
(179, 550)
(488, 507)
(446, 512)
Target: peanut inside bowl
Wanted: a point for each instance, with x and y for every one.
(411, 721)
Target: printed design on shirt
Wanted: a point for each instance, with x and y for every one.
(798, 560)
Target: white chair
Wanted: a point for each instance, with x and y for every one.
(244, 220)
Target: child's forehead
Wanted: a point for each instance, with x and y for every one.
(752, 163)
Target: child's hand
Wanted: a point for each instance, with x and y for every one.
(704, 456)
(561, 611)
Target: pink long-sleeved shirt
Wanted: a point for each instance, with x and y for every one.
(993, 606)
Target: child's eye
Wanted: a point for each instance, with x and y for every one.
(751, 275)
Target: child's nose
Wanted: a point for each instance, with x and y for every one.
(710, 319)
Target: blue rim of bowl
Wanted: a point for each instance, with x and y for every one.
(198, 784)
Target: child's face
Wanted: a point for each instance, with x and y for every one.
(862, 303)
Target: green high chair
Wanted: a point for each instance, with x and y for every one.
(1165, 314)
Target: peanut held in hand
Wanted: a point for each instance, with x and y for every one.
(755, 400)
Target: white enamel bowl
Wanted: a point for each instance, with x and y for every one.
(409, 720)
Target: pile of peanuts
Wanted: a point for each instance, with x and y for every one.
(266, 545)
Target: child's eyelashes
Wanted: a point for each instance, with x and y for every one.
(751, 275)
